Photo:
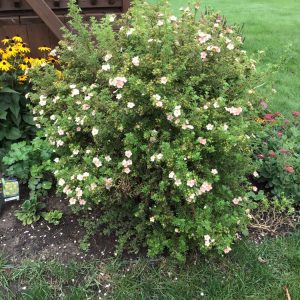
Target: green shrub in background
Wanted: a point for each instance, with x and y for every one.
(278, 155)
(152, 126)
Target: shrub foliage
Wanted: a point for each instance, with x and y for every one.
(152, 126)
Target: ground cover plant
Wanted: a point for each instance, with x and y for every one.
(162, 109)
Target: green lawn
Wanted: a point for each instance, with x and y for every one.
(269, 25)
(249, 272)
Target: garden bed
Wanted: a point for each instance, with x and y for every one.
(46, 241)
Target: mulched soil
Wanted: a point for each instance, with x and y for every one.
(47, 241)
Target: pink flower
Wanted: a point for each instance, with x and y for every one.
(191, 182)
(260, 156)
(204, 56)
(209, 127)
(214, 49)
(127, 170)
(286, 121)
(296, 113)
(263, 104)
(272, 154)
(82, 202)
(236, 201)
(234, 110)
(118, 82)
(289, 169)
(128, 153)
(227, 250)
(284, 151)
(205, 187)
(202, 141)
(108, 183)
(279, 134)
(203, 37)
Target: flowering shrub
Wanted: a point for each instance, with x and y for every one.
(15, 118)
(277, 155)
(152, 126)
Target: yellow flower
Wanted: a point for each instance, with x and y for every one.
(6, 40)
(22, 78)
(23, 67)
(59, 74)
(10, 52)
(37, 62)
(52, 60)
(5, 65)
(23, 48)
(17, 39)
(28, 59)
(1, 51)
(44, 49)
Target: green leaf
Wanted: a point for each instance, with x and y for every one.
(13, 134)
(28, 119)
(46, 185)
(14, 105)
(8, 90)
(3, 115)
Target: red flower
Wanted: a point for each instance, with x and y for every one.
(277, 114)
(260, 156)
(287, 121)
(272, 154)
(289, 169)
(296, 113)
(279, 134)
(284, 151)
(263, 104)
(269, 117)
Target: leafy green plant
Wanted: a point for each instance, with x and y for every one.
(53, 217)
(277, 155)
(31, 162)
(152, 126)
(30, 211)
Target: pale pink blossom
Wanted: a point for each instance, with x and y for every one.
(97, 162)
(227, 250)
(177, 111)
(255, 174)
(82, 202)
(173, 18)
(205, 187)
(85, 107)
(236, 111)
(78, 192)
(118, 82)
(128, 153)
(127, 170)
(107, 158)
(126, 163)
(214, 49)
(61, 182)
(236, 201)
(108, 183)
(172, 175)
(203, 37)
(191, 182)
(93, 186)
(204, 56)
(152, 219)
(202, 141)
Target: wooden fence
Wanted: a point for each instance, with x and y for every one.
(38, 22)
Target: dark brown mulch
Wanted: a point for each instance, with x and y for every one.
(46, 241)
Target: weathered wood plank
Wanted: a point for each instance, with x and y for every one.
(48, 16)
